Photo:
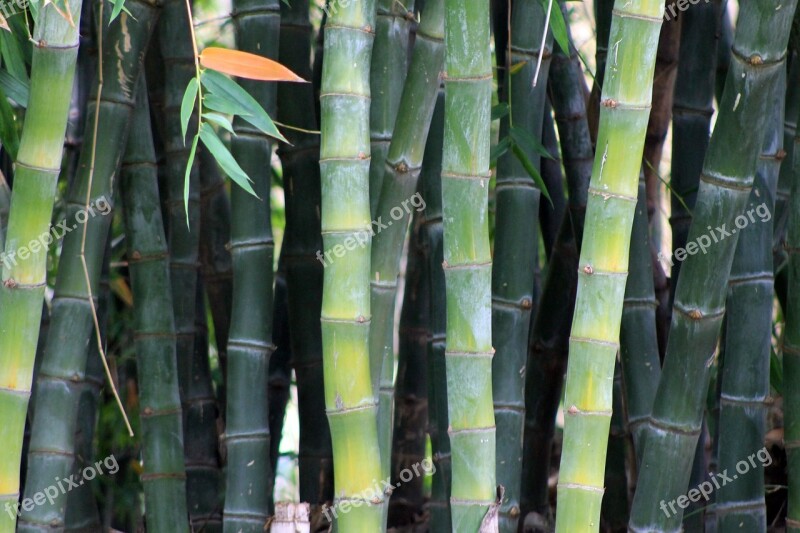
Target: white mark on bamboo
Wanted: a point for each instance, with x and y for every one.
(603, 163)
(736, 103)
(616, 51)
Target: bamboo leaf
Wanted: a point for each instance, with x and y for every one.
(499, 111)
(4, 23)
(187, 175)
(530, 168)
(219, 120)
(516, 67)
(231, 91)
(187, 106)
(527, 141)
(224, 158)
(499, 149)
(13, 56)
(558, 26)
(13, 88)
(9, 135)
(227, 107)
(119, 7)
(246, 65)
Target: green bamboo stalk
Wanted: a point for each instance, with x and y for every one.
(411, 414)
(603, 266)
(791, 348)
(301, 178)
(431, 187)
(468, 263)
(548, 341)
(400, 163)
(745, 388)
(691, 116)
(52, 449)
(757, 61)
(387, 77)
(516, 250)
(160, 412)
(345, 317)
(249, 490)
(22, 293)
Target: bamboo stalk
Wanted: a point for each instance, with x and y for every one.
(468, 263)
(594, 339)
(745, 389)
(160, 412)
(757, 60)
(22, 292)
(249, 490)
(344, 166)
(52, 448)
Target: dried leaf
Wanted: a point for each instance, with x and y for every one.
(246, 65)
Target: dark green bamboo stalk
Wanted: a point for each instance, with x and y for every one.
(468, 262)
(791, 348)
(400, 162)
(36, 173)
(247, 438)
(550, 216)
(163, 475)
(431, 187)
(638, 343)
(614, 509)
(411, 414)
(350, 398)
(387, 77)
(215, 257)
(594, 339)
(82, 512)
(280, 369)
(691, 117)
(516, 250)
(201, 438)
(745, 392)
(757, 61)
(52, 449)
(301, 178)
(548, 340)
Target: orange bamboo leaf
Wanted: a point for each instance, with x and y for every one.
(245, 65)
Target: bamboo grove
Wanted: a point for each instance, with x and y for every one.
(505, 266)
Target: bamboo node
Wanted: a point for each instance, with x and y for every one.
(514, 511)
(781, 155)
(694, 314)
(401, 167)
(609, 102)
(361, 319)
(136, 255)
(526, 303)
(362, 155)
(10, 283)
(588, 270)
(147, 411)
(756, 59)
(573, 410)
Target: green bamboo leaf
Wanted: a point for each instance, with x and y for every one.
(499, 149)
(219, 120)
(9, 135)
(558, 26)
(119, 7)
(516, 67)
(527, 141)
(530, 168)
(224, 158)
(15, 89)
(13, 56)
(228, 107)
(500, 110)
(187, 175)
(228, 89)
(187, 105)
